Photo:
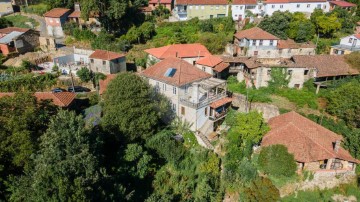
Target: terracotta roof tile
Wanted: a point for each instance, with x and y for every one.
(244, 2)
(307, 140)
(104, 83)
(160, 1)
(221, 67)
(62, 99)
(56, 12)
(255, 33)
(75, 14)
(327, 65)
(184, 72)
(249, 62)
(8, 30)
(342, 3)
(210, 61)
(105, 55)
(220, 102)
(291, 44)
(179, 50)
(202, 2)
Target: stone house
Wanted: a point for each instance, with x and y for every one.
(188, 9)
(107, 62)
(213, 65)
(6, 7)
(54, 20)
(314, 147)
(257, 42)
(75, 17)
(347, 45)
(188, 52)
(18, 40)
(195, 96)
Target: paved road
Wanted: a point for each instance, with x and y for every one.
(40, 20)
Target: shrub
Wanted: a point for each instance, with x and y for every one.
(261, 189)
(275, 160)
(84, 74)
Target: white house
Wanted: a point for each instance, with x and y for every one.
(347, 45)
(239, 7)
(304, 6)
(195, 96)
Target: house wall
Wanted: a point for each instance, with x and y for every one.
(205, 68)
(206, 11)
(4, 49)
(54, 25)
(312, 166)
(350, 41)
(108, 67)
(238, 10)
(5, 8)
(305, 7)
(339, 51)
(47, 43)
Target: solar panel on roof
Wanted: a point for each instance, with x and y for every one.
(170, 72)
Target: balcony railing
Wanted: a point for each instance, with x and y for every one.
(202, 103)
(219, 116)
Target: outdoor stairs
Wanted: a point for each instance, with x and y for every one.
(202, 133)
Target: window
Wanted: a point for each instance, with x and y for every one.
(104, 62)
(206, 111)
(350, 40)
(268, 72)
(268, 52)
(300, 49)
(272, 6)
(271, 42)
(186, 89)
(297, 5)
(324, 7)
(217, 7)
(174, 90)
(236, 7)
(91, 60)
(318, 6)
(308, 6)
(164, 86)
(290, 72)
(203, 68)
(154, 5)
(236, 15)
(281, 6)
(196, 7)
(202, 7)
(190, 7)
(297, 86)
(260, 7)
(182, 110)
(256, 52)
(241, 7)
(306, 72)
(261, 42)
(254, 42)
(289, 51)
(173, 107)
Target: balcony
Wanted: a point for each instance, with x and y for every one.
(202, 102)
(219, 116)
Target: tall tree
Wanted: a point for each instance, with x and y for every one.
(277, 24)
(300, 28)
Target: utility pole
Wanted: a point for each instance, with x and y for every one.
(72, 79)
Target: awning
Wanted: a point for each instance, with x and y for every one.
(211, 83)
(221, 102)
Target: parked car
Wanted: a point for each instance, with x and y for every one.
(58, 90)
(78, 89)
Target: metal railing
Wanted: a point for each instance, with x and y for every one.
(202, 103)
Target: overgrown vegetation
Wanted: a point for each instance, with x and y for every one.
(22, 21)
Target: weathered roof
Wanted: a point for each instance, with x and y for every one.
(56, 12)
(220, 102)
(160, 1)
(105, 55)
(255, 33)
(307, 140)
(342, 3)
(250, 62)
(221, 67)
(291, 44)
(210, 61)
(61, 99)
(244, 2)
(104, 83)
(185, 73)
(10, 37)
(179, 50)
(75, 14)
(202, 2)
(327, 65)
(8, 30)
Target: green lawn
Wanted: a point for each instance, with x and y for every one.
(21, 21)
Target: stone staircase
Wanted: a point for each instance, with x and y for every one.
(201, 134)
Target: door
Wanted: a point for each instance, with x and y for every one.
(211, 16)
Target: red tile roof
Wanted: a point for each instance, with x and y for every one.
(179, 50)
(56, 12)
(357, 36)
(220, 102)
(105, 55)
(291, 44)
(62, 99)
(210, 61)
(255, 33)
(146, 9)
(327, 65)
(75, 14)
(244, 2)
(160, 1)
(104, 83)
(202, 2)
(221, 67)
(342, 3)
(185, 72)
(12, 29)
(307, 140)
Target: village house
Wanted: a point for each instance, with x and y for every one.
(75, 17)
(54, 20)
(239, 8)
(188, 52)
(257, 42)
(153, 4)
(18, 40)
(6, 7)
(303, 6)
(213, 65)
(347, 45)
(314, 147)
(257, 72)
(195, 96)
(188, 9)
(107, 62)
(341, 4)
(61, 99)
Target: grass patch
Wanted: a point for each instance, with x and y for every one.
(20, 21)
(282, 180)
(38, 9)
(301, 97)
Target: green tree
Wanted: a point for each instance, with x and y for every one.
(147, 30)
(66, 167)
(5, 23)
(277, 24)
(129, 106)
(276, 161)
(261, 189)
(300, 28)
(325, 25)
(84, 74)
(279, 78)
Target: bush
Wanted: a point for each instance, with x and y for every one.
(261, 189)
(84, 74)
(275, 160)
(38, 9)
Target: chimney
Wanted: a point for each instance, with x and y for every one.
(77, 6)
(337, 145)
(195, 93)
(176, 54)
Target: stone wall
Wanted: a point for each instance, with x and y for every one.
(268, 110)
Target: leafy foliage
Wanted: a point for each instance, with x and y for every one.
(261, 189)
(353, 59)
(275, 160)
(277, 23)
(84, 74)
(279, 78)
(4, 22)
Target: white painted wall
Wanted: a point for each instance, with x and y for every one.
(306, 7)
(350, 41)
